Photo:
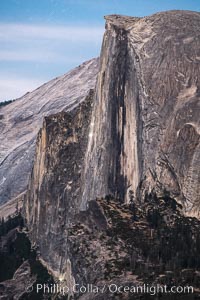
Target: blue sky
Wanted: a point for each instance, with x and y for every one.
(40, 40)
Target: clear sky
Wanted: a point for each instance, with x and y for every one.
(42, 39)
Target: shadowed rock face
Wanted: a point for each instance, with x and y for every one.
(54, 191)
(145, 123)
(139, 132)
(21, 120)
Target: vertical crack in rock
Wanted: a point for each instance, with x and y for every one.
(112, 164)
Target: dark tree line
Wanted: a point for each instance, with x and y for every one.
(4, 103)
(10, 223)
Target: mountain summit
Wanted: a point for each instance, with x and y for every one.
(135, 136)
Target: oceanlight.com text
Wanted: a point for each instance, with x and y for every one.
(110, 288)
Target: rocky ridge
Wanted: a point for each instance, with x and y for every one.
(127, 245)
(21, 120)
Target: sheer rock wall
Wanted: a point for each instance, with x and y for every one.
(139, 132)
(145, 123)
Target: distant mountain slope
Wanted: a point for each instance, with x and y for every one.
(21, 120)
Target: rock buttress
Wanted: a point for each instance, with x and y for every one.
(53, 194)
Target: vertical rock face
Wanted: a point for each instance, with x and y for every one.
(140, 134)
(145, 124)
(53, 194)
(112, 163)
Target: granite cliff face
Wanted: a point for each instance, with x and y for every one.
(137, 134)
(54, 191)
(145, 123)
(21, 120)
